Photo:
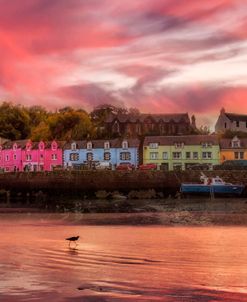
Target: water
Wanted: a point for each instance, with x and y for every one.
(119, 263)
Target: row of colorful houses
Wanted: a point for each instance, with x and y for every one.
(167, 152)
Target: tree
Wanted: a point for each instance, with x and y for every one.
(14, 121)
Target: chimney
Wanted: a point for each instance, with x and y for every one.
(193, 121)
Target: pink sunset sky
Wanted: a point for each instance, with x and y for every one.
(161, 56)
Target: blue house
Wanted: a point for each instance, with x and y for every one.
(114, 151)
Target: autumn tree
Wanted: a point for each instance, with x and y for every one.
(14, 121)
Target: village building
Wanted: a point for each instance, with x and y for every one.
(181, 152)
(231, 121)
(79, 154)
(11, 155)
(233, 149)
(25, 155)
(42, 156)
(128, 125)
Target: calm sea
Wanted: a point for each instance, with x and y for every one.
(119, 263)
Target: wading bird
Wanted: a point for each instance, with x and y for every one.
(73, 239)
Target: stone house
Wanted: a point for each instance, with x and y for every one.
(127, 125)
(231, 121)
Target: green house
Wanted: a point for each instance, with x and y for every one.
(181, 152)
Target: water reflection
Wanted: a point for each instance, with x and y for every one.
(120, 263)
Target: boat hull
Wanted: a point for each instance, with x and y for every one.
(212, 189)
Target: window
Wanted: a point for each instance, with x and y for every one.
(195, 155)
(54, 156)
(237, 124)
(28, 157)
(188, 155)
(153, 145)
(74, 156)
(154, 155)
(125, 156)
(225, 125)
(41, 156)
(7, 158)
(73, 146)
(206, 144)
(107, 156)
(235, 142)
(14, 157)
(206, 155)
(165, 155)
(14, 147)
(106, 145)
(239, 155)
(28, 147)
(54, 146)
(89, 156)
(125, 145)
(176, 155)
(89, 145)
(179, 145)
(41, 146)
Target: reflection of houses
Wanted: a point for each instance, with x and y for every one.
(149, 124)
(181, 152)
(114, 151)
(41, 156)
(231, 121)
(233, 149)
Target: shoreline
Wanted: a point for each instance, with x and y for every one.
(143, 212)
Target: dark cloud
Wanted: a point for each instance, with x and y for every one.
(91, 95)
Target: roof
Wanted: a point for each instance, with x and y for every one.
(35, 145)
(226, 143)
(99, 144)
(236, 117)
(10, 144)
(186, 139)
(123, 118)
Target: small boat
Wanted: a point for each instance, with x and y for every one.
(212, 185)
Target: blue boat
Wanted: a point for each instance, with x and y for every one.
(212, 186)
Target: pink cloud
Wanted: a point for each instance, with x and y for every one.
(49, 50)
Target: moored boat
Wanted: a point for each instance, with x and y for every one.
(212, 185)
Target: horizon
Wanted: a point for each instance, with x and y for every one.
(154, 55)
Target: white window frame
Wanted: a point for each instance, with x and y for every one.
(154, 155)
(125, 145)
(206, 155)
(89, 146)
(106, 145)
(165, 155)
(174, 155)
(153, 145)
(179, 145)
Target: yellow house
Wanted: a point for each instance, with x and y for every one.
(233, 149)
(181, 152)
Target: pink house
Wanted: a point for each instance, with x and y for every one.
(41, 156)
(11, 155)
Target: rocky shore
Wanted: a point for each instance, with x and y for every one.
(145, 212)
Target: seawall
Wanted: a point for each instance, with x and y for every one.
(80, 182)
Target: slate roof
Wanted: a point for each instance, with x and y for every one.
(166, 118)
(236, 117)
(226, 143)
(186, 139)
(35, 145)
(99, 144)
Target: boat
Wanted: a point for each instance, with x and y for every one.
(212, 186)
